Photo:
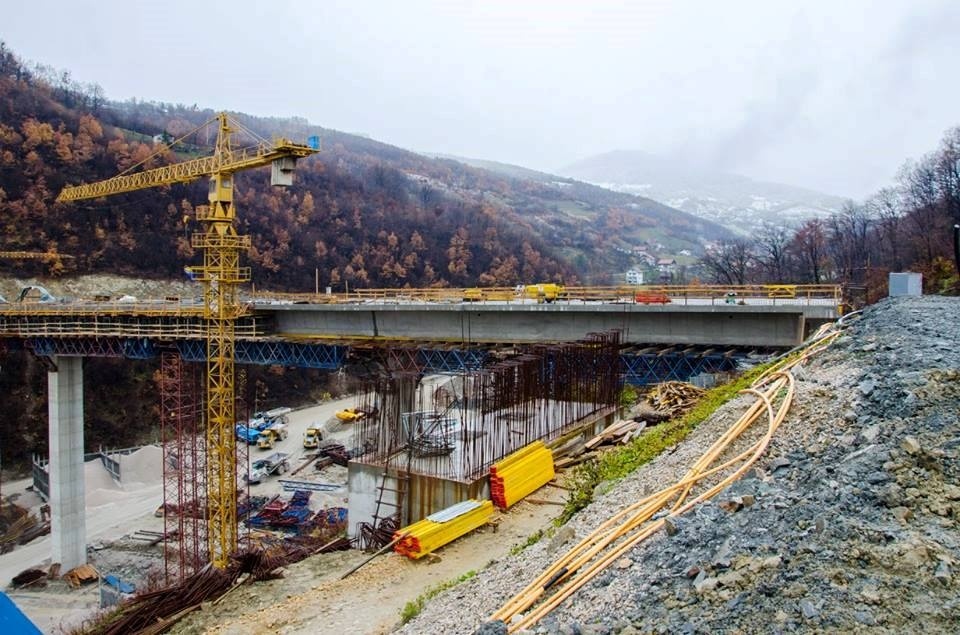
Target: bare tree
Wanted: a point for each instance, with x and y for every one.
(809, 246)
(948, 173)
(730, 263)
(919, 182)
(886, 207)
(772, 249)
(848, 242)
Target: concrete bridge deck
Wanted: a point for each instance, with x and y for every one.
(781, 325)
(756, 316)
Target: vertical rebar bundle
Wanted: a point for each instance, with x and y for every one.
(456, 426)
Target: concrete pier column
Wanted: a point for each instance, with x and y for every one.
(68, 529)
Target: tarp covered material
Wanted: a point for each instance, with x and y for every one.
(117, 583)
(12, 619)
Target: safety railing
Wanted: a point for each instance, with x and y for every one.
(770, 294)
(759, 294)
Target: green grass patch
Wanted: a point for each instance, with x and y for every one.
(628, 396)
(613, 465)
(413, 608)
(532, 539)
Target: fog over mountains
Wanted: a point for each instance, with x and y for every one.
(737, 202)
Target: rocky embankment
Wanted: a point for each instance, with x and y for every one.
(849, 523)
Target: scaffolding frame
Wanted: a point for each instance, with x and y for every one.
(184, 451)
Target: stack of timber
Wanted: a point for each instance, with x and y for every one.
(18, 526)
(620, 432)
(673, 398)
(520, 473)
(436, 530)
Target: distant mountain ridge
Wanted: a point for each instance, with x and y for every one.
(649, 221)
(737, 202)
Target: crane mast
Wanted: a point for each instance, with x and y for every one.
(221, 276)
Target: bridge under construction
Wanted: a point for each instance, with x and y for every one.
(407, 334)
(692, 329)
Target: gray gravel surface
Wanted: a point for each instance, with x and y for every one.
(853, 524)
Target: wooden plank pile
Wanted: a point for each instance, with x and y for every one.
(78, 576)
(620, 432)
(664, 402)
(673, 398)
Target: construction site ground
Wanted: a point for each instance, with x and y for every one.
(368, 601)
(312, 598)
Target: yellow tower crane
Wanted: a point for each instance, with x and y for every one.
(221, 275)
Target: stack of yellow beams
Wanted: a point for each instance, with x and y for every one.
(436, 530)
(521, 473)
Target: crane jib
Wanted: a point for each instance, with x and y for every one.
(283, 153)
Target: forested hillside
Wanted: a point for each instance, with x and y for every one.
(357, 226)
(362, 213)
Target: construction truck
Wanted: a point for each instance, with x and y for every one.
(277, 415)
(349, 415)
(270, 435)
(312, 437)
(248, 432)
(541, 292)
(276, 463)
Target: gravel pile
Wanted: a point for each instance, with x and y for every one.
(850, 522)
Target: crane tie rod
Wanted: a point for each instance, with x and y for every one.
(616, 536)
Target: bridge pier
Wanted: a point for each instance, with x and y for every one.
(67, 504)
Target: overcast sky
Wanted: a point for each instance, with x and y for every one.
(830, 95)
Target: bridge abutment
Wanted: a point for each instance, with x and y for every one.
(67, 505)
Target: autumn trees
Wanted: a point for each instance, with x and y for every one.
(368, 216)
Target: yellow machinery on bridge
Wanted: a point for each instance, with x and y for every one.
(221, 275)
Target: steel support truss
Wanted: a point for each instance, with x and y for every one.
(652, 366)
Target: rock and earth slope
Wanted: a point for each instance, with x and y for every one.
(854, 515)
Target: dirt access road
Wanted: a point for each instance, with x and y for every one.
(311, 598)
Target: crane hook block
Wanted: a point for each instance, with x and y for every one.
(281, 171)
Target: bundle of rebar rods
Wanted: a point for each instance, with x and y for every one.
(156, 611)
